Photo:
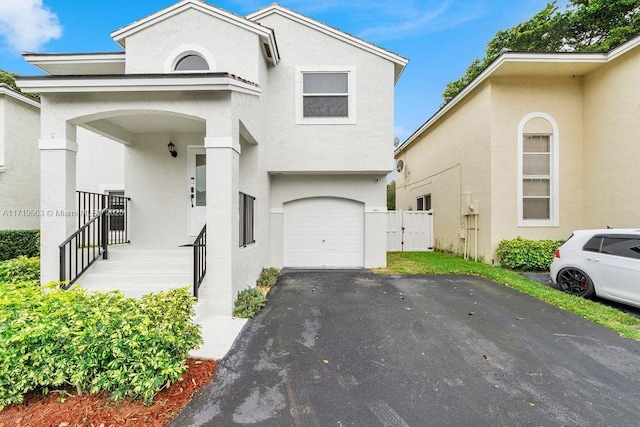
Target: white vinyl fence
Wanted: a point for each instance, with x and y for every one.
(409, 231)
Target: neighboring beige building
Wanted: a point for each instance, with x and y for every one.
(537, 146)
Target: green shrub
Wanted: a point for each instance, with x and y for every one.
(21, 269)
(268, 277)
(93, 341)
(14, 243)
(523, 254)
(249, 303)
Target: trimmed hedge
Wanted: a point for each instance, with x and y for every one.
(93, 341)
(14, 243)
(527, 255)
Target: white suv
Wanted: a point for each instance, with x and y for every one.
(605, 263)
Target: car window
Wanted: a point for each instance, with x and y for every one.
(626, 247)
(593, 245)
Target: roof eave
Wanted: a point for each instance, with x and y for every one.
(400, 61)
(37, 59)
(7, 90)
(136, 83)
(497, 63)
(592, 57)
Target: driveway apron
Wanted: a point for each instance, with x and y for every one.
(350, 348)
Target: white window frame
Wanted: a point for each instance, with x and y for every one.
(424, 202)
(351, 96)
(554, 204)
(180, 52)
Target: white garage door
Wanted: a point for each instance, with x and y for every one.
(324, 232)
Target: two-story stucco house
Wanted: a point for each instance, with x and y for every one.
(273, 129)
(538, 145)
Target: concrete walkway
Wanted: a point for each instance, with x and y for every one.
(219, 333)
(338, 348)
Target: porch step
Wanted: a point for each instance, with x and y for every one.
(139, 272)
(126, 254)
(113, 266)
(115, 279)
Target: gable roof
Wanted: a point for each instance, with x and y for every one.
(528, 64)
(265, 34)
(399, 61)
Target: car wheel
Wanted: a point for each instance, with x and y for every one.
(576, 282)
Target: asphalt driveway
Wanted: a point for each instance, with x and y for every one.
(349, 348)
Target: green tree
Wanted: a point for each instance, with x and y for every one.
(391, 196)
(9, 79)
(584, 26)
(601, 25)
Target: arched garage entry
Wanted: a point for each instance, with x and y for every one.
(324, 232)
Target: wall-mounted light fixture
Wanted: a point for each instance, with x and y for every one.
(172, 149)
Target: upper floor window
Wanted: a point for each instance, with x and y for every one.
(538, 171)
(325, 95)
(192, 63)
(423, 203)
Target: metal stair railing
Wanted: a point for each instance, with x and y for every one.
(199, 259)
(83, 248)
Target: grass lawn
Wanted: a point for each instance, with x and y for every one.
(440, 263)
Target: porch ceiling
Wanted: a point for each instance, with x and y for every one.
(153, 123)
(123, 128)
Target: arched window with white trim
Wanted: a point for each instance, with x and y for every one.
(192, 62)
(190, 58)
(538, 171)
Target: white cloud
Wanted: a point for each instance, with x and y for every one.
(26, 25)
(430, 17)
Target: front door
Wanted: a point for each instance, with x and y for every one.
(197, 190)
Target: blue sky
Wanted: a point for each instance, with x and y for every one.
(440, 37)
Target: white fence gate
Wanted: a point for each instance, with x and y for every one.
(409, 231)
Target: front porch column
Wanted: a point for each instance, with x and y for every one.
(57, 202)
(223, 157)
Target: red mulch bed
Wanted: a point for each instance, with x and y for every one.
(98, 410)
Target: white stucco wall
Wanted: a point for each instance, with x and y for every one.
(234, 50)
(364, 146)
(367, 189)
(99, 163)
(254, 181)
(158, 187)
(20, 182)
